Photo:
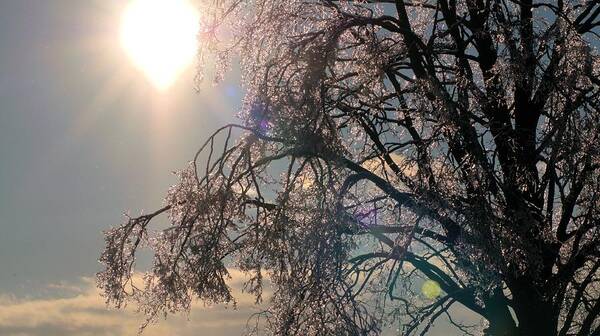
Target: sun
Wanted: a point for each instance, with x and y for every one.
(160, 37)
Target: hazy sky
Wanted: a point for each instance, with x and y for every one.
(83, 138)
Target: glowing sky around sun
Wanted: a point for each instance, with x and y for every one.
(160, 37)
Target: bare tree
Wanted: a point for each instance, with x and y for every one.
(385, 143)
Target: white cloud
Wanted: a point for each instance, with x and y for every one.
(84, 313)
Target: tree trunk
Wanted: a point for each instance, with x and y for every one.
(499, 317)
(536, 315)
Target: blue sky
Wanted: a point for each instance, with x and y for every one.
(85, 137)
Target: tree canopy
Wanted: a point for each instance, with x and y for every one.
(396, 159)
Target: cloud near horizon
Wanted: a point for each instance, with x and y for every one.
(84, 313)
(78, 309)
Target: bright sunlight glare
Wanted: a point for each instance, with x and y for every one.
(160, 36)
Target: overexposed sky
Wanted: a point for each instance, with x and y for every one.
(84, 137)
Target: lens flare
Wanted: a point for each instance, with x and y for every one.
(431, 289)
